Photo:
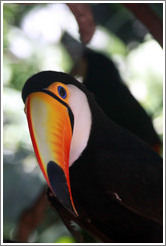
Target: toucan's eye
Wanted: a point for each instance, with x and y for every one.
(62, 92)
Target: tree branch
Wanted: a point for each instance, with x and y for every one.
(84, 17)
(146, 15)
(31, 218)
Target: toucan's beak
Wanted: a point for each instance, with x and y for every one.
(50, 123)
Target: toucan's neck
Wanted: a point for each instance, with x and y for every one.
(82, 123)
(87, 139)
(100, 127)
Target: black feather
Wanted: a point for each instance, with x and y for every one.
(117, 182)
(103, 79)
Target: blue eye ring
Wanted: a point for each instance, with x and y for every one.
(62, 92)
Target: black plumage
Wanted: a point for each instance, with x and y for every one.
(103, 79)
(117, 182)
(122, 191)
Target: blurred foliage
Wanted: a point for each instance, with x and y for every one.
(30, 47)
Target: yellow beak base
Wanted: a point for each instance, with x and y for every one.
(51, 132)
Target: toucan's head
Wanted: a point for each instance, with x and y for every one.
(59, 121)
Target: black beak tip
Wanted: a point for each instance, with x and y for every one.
(59, 186)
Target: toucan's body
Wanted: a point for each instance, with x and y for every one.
(122, 192)
(116, 180)
(103, 79)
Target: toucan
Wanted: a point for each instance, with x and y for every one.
(105, 177)
(114, 97)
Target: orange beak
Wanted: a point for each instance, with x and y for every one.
(50, 125)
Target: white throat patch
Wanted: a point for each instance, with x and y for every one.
(82, 122)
